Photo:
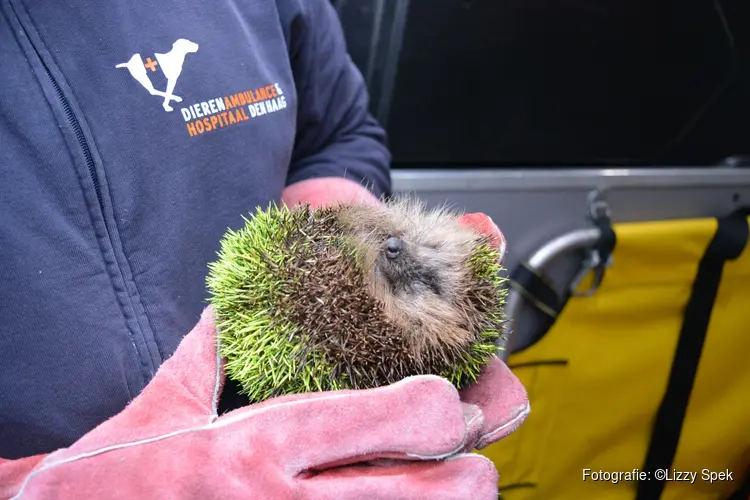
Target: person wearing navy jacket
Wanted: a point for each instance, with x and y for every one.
(132, 135)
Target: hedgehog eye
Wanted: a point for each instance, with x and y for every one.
(393, 247)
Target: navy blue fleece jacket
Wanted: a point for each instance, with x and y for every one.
(132, 135)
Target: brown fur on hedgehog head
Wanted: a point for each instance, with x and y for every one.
(415, 264)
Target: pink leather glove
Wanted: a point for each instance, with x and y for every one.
(169, 442)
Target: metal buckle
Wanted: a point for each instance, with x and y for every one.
(597, 207)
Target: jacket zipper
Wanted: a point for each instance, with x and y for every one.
(82, 143)
(70, 115)
(91, 166)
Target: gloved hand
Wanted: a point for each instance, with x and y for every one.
(170, 443)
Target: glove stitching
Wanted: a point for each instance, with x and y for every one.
(48, 462)
(477, 415)
(459, 456)
(50, 465)
(513, 422)
(216, 423)
(217, 381)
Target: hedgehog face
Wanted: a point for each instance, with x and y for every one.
(407, 269)
(417, 253)
(415, 263)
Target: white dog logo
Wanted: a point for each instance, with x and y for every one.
(171, 66)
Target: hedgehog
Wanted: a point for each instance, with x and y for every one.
(354, 297)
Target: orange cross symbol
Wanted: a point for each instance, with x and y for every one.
(151, 64)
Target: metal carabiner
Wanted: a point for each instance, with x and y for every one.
(597, 209)
(593, 262)
(597, 206)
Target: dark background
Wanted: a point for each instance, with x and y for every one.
(472, 83)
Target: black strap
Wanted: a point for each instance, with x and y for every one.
(536, 289)
(727, 244)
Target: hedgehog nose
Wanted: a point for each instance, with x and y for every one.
(393, 247)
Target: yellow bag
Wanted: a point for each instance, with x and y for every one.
(598, 377)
